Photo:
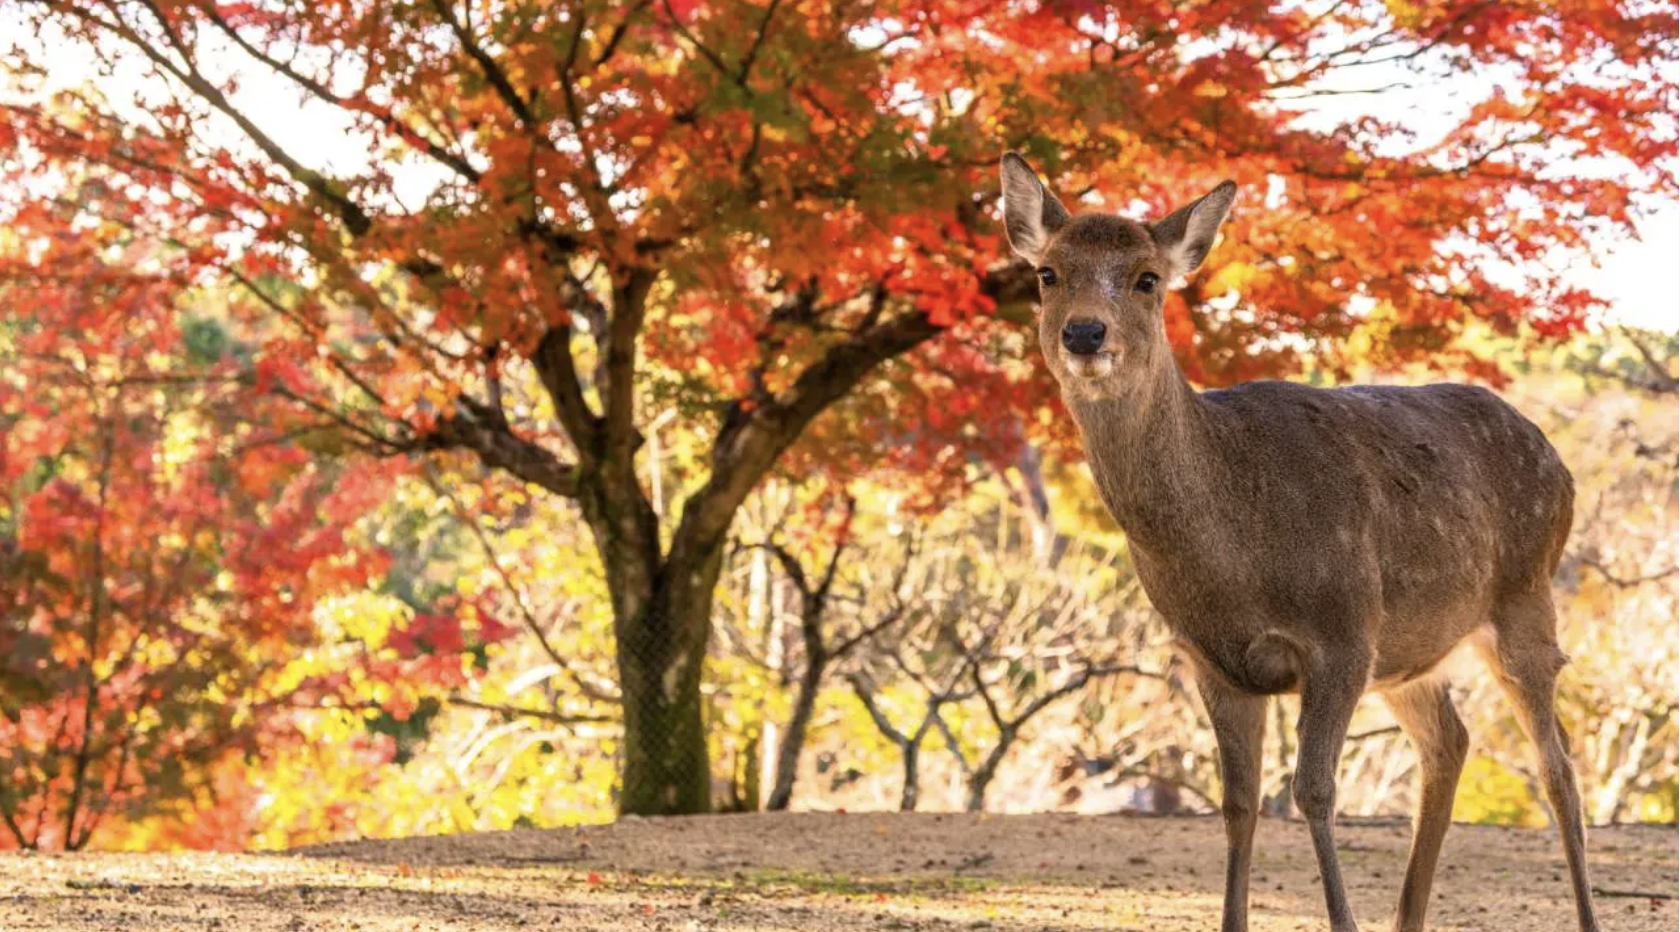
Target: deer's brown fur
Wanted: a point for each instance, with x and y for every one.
(1322, 541)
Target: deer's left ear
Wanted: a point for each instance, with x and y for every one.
(1187, 234)
(1031, 214)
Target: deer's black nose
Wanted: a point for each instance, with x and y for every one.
(1083, 336)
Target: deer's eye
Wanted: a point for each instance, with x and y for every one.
(1047, 276)
(1146, 283)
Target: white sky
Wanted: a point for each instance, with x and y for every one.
(1640, 277)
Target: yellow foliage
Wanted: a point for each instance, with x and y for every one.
(1490, 793)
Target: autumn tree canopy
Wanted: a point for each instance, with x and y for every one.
(773, 220)
(162, 560)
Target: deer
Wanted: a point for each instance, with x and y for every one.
(1325, 542)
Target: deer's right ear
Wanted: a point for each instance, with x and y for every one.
(1031, 215)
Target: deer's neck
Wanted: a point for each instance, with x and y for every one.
(1153, 452)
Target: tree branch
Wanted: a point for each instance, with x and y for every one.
(477, 428)
(629, 310)
(386, 116)
(617, 36)
(742, 456)
(558, 718)
(1627, 582)
(866, 696)
(757, 43)
(487, 64)
(1075, 683)
(558, 370)
(1661, 381)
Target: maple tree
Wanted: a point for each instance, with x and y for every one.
(161, 563)
(751, 213)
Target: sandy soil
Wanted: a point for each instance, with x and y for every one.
(824, 873)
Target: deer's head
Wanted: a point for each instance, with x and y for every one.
(1102, 279)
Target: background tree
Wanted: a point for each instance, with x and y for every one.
(559, 221)
(162, 564)
(832, 623)
(1032, 635)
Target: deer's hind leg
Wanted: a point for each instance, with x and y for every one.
(1425, 712)
(1524, 656)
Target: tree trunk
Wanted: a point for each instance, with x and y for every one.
(981, 779)
(661, 658)
(912, 777)
(793, 741)
(764, 614)
(666, 770)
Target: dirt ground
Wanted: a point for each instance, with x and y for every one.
(832, 872)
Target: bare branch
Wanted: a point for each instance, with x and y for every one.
(1661, 380)
(866, 696)
(1627, 582)
(1373, 733)
(558, 718)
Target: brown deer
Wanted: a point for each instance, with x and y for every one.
(1296, 539)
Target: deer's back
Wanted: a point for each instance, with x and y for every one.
(1434, 502)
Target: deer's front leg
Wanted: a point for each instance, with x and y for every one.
(1329, 692)
(1239, 722)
